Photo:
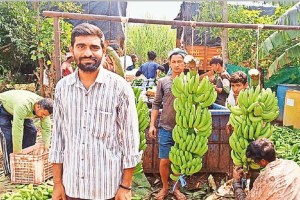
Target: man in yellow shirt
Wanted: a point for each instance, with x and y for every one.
(17, 109)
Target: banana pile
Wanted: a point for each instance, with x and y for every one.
(251, 120)
(144, 120)
(193, 123)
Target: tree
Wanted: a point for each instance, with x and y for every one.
(282, 47)
(144, 38)
(26, 38)
(241, 42)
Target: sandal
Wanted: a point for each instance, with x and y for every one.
(162, 194)
(178, 195)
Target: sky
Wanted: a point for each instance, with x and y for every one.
(164, 10)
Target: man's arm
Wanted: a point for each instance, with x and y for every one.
(59, 190)
(152, 129)
(129, 139)
(209, 73)
(20, 112)
(239, 193)
(46, 130)
(139, 71)
(56, 154)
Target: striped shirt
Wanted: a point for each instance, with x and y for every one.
(95, 134)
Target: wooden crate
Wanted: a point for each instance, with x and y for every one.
(216, 160)
(32, 166)
(204, 54)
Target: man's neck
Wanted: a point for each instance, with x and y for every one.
(87, 78)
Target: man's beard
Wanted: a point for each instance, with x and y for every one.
(89, 67)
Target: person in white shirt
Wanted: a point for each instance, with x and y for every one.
(95, 139)
(238, 82)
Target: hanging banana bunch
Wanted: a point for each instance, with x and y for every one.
(144, 120)
(251, 120)
(193, 123)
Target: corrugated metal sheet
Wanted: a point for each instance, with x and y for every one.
(111, 30)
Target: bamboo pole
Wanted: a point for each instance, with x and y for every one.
(57, 49)
(167, 22)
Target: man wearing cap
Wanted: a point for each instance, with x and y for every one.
(66, 67)
(166, 124)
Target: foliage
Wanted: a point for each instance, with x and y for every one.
(241, 42)
(144, 38)
(16, 23)
(282, 48)
(26, 36)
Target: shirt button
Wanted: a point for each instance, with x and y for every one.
(84, 127)
(85, 110)
(82, 159)
(82, 177)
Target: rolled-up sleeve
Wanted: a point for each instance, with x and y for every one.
(46, 130)
(158, 97)
(128, 129)
(56, 154)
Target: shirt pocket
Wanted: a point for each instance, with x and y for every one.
(102, 123)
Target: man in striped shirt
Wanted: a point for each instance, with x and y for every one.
(95, 138)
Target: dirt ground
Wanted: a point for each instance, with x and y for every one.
(197, 188)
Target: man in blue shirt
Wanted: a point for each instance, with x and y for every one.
(148, 69)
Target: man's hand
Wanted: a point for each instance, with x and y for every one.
(123, 194)
(238, 173)
(152, 132)
(59, 192)
(229, 128)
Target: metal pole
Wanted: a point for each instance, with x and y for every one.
(168, 22)
(57, 49)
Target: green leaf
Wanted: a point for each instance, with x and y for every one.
(283, 59)
(33, 57)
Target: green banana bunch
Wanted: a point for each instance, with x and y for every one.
(144, 121)
(287, 143)
(193, 123)
(39, 192)
(250, 120)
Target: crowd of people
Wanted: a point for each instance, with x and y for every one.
(95, 136)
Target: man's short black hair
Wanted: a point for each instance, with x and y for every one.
(238, 77)
(151, 55)
(216, 60)
(46, 104)
(261, 149)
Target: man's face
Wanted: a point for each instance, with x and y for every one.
(177, 64)
(215, 67)
(237, 87)
(40, 112)
(87, 52)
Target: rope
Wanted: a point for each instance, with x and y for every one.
(193, 25)
(124, 21)
(259, 27)
(182, 182)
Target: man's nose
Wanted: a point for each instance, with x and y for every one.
(87, 52)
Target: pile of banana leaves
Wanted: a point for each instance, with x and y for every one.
(287, 143)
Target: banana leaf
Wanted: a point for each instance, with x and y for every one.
(290, 17)
(288, 75)
(275, 40)
(283, 59)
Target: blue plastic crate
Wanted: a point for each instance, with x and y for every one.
(219, 110)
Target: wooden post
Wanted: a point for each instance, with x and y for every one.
(56, 58)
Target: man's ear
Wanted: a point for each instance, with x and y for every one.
(71, 49)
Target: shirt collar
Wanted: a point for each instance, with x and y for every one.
(100, 77)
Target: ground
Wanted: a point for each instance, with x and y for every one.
(197, 186)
